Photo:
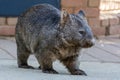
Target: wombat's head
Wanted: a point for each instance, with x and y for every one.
(75, 30)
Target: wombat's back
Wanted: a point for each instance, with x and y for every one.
(38, 16)
(37, 22)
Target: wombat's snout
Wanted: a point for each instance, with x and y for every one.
(88, 43)
(88, 39)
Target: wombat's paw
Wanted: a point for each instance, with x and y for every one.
(78, 72)
(50, 71)
(26, 67)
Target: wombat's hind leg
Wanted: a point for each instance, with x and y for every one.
(72, 65)
(22, 57)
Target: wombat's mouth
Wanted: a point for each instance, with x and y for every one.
(87, 43)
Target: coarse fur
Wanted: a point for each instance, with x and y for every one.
(50, 34)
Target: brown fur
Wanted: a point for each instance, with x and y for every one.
(49, 35)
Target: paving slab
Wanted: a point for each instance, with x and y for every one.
(94, 70)
(4, 55)
(101, 62)
(9, 47)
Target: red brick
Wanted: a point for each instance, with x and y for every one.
(77, 9)
(11, 21)
(2, 20)
(7, 30)
(98, 31)
(94, 3)
(94, 22)
(104, 21)
(115, 29)
(69, 10)
(114, 20)
(92, 12)
(71, 3)
(85, 3)
(95, 25)
(118, 15)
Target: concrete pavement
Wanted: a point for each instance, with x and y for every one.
(95, 71)
(101, 62)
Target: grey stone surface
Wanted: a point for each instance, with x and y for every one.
(9, 47)
(95, 71)
(101, 62)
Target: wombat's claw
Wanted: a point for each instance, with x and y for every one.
(50, 71)
(26, 67)
(79, 72)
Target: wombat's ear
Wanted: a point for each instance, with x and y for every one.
(64, 17)
(82, 13)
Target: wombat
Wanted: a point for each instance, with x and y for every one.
(51, 34)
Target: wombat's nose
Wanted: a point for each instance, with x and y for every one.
(91, 42)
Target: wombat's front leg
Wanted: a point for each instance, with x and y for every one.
(46, 64)
(73, 66)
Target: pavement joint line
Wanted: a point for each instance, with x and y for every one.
(8, 53)
(115, 45)
(7, 59)
(108, 52)
(99, 60)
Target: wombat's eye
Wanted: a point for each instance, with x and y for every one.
(82, 32)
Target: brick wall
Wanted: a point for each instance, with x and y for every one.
(110, 6)
(7, 26)
(110, 16)
(100, 22)
(91, 8)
